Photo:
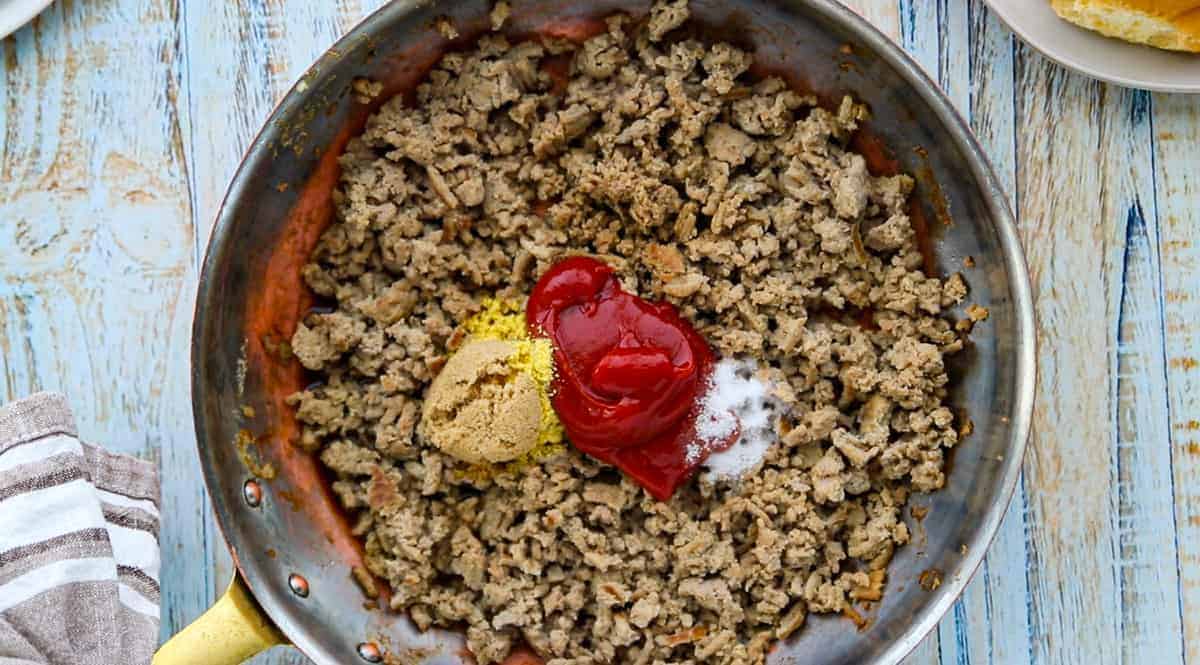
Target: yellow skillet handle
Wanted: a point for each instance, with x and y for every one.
(231, 631)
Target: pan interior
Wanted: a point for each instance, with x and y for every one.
(251, 296)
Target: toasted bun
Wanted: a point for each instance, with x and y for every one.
(1166, 24)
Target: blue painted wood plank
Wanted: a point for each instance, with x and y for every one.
(96, 246)
(1176, 122)
(1084, 159)
(955, 41)
(920, 33)
(1145, 496)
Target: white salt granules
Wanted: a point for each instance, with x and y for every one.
(734, 401)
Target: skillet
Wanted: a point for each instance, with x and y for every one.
(290, 542)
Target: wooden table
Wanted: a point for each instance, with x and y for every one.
(121, 122)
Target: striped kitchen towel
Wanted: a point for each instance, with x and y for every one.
(78, 544)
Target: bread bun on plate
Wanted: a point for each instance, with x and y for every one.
(1166, 24)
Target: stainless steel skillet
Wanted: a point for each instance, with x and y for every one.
(291, 545)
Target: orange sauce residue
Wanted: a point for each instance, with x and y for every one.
(272, 312)
(937, 198)
(558, 68)
(575, 28)
(920, 225)
(523, 655)
(881, 162)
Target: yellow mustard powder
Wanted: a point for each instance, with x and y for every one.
(499, 319)
(505, 320)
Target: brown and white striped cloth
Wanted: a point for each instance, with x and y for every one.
(79, 552)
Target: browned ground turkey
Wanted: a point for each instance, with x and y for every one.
(737, 200)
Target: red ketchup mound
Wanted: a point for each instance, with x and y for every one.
(629, 373)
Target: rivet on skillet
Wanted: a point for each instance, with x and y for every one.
(369, 652)
(252, 492)
(298, 584)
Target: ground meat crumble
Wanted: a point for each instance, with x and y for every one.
(737, 200)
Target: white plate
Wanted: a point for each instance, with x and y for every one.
(16, 13)
(1096, 55)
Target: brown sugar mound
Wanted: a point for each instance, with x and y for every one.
(479, 410)
(739, 201)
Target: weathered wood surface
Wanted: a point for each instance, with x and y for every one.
(121, 122)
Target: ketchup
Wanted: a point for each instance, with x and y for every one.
(628, 372)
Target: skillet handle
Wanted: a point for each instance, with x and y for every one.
(231, 631)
